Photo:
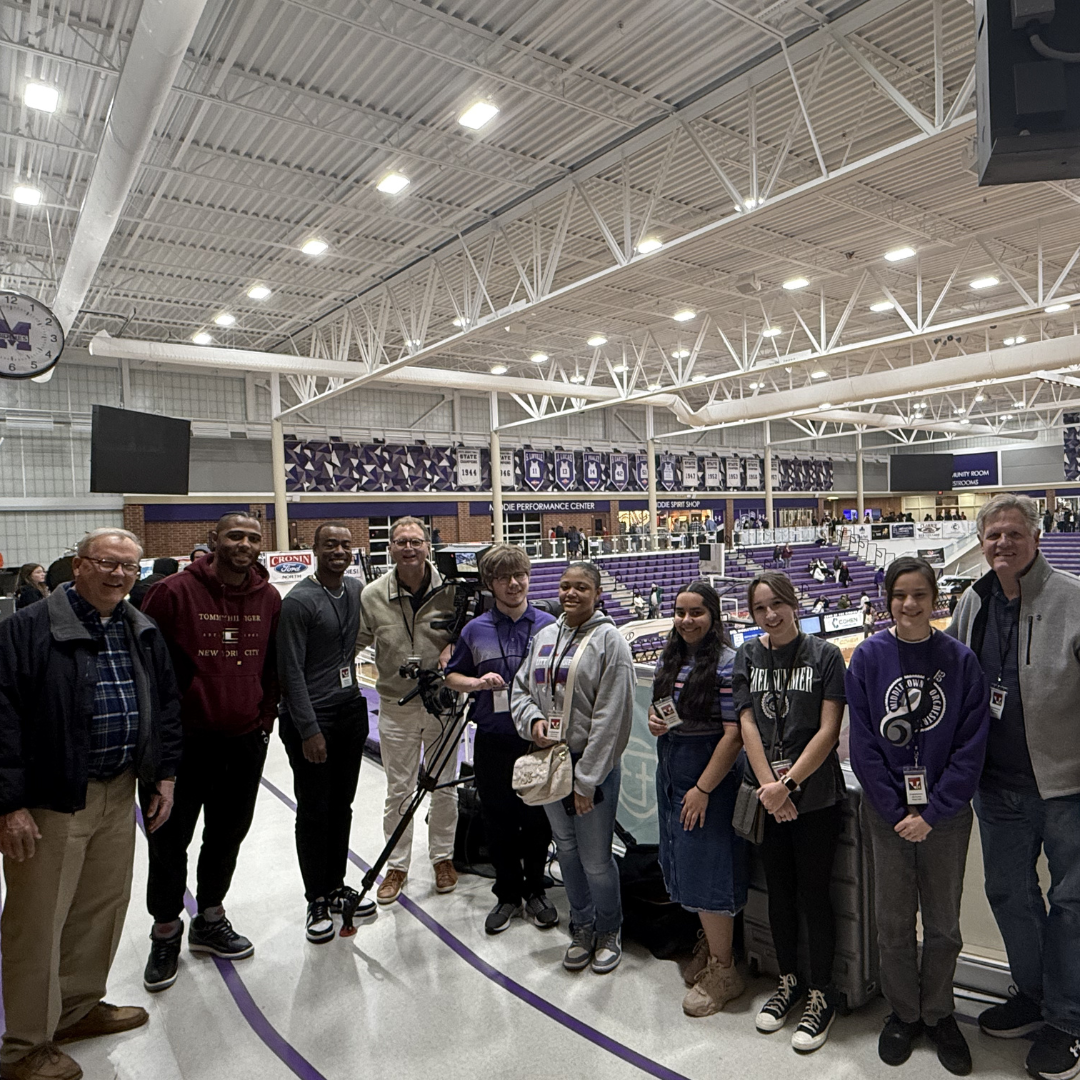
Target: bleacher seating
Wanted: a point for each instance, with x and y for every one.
(1062, 550)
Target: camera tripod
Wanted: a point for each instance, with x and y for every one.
(453, 711)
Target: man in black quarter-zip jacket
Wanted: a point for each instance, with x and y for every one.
(1022, 619)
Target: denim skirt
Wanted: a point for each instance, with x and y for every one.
(704, 869)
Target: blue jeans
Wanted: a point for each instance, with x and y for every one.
(1043, 947)
(583, 843)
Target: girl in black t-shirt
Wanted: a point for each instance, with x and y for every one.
(789, 694)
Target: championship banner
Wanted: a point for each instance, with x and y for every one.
(535, 468)
(690, 475)
(468, 467)
(734, 474)
(711, 466)
(592, 467)
(666, 474)
(641, 471)
(753, 473)
(619, 469)
(776, 475)
(506, 468)
(565, 473)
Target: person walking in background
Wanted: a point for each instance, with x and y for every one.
(703, 861)
(324, 724)
(88, 706)
(485, 660)
(220, 621)
(1020, 620)
(789, 693)
(919, 715)
(162, 569)
(30, 585)
(577, 685)
(405, 613)
(655, 600)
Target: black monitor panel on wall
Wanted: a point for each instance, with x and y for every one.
(138, 452)
(920, 472)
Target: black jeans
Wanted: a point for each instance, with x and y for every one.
(798, 857)
(324, 794)
(219, 776)
(518, 835)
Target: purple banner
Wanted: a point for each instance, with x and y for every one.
(565, 472)
(592, 469)
(619, 469)
(534, 468)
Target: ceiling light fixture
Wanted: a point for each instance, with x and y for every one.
(819, 373)
(771, 331)
(1053, 309)
(577, 377)
(685, 315)
(980, 397)
(619, 369)
(224, 319)
(1019, 339)
(539, 358)
(259, 292)
(459, 322)
(899, 254)
(680, 354)
(653, 386)
(756, 385)
(314, 246)
(649, 244)
(985, 282)
(27, 195)
(1018, 404)
(201, 338)
(882, 305)
(751, 202)
(498, 369)
(596, 341)
(477, 115)
(958, 409)
(965, 421)
(392, 184)
(795, 283)
(699, 378)
(825, 405)
(41, 96)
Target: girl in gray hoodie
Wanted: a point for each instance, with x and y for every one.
(595, 724)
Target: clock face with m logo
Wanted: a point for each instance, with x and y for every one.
(31, 338)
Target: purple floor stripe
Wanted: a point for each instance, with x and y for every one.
(553, 1012)
(251, 1012)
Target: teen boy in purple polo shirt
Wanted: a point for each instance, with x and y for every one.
(488, 654)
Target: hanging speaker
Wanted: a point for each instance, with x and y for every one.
(1027, 90)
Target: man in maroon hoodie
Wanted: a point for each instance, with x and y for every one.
(219, 620)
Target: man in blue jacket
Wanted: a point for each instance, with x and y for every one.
(88, 705)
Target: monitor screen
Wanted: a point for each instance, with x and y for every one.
(920, 472)
(810, 624)
(140, 453)
(740, 636)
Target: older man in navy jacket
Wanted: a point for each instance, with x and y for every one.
(88, 705)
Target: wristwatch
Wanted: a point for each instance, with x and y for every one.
(790, 783)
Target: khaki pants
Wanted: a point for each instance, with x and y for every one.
(64, 913)
(402, 732)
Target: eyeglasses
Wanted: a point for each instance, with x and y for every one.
(109, 566)
(505, 579)
(412, 542)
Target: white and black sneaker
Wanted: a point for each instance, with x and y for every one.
(218, 938)
(774, 1012)
(161, 967)
(320, 923)
(1055, 1055)
(364, 911)
(813, 1028)
(579, 952)
(498, 918)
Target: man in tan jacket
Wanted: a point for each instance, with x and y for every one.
(398, 613)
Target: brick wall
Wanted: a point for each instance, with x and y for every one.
(162, 538)
(305, 531)
(447, 526)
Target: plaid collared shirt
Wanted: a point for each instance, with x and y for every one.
(116, 705)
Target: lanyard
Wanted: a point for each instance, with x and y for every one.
(337, 615)
(1003, 653)
(554, 665)
(916, 732)
(401, 608)
(498, 637)
(781, 706)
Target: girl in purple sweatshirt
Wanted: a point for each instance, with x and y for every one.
(920, 712)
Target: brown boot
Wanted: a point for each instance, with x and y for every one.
(714, 988)
(44, 1062)
(392, 884)
(103, 1019)
(445, 876)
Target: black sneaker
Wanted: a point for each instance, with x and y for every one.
(952, 1047)
(1013, 1019)
(320, 923)
(343, 896)
(814, 1026)
(498, 918)
(1055, 1055)
(541, 912)
(896, 1040)
(217, 938)
(774, 1012)
(161, 968)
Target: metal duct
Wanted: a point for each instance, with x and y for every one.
(162, 35)
(895, 421)
(997, 364)
(102, 344)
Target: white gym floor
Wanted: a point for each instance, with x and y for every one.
(424, 992)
